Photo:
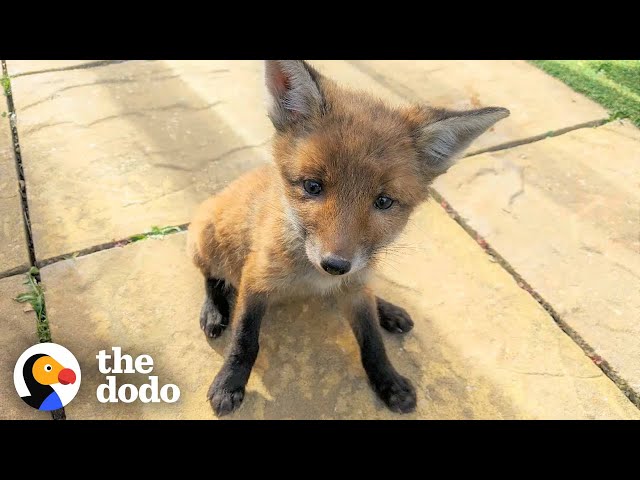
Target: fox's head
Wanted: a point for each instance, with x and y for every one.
(354, 168)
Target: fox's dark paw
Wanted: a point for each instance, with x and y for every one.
(393, 318)
(398, 394)
(225, 395)
(212, 322)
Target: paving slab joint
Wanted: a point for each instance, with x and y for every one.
(600, 362)
(537, 138)
(83, 66)
(13, 271)
(108, 245)
(22, 185)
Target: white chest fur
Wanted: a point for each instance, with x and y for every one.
(310, 282)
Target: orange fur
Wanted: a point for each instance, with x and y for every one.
(360, 148)
(348, 171)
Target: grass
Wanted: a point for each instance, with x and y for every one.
(155, 232)
(35, 297)
(614, 84)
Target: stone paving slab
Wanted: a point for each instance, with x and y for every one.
(565, 213)
(481, 347)
(111, 151)
(21, 67)
(538, 102)
(18, 334)
(14, 255)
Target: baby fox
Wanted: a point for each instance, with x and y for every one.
(348, 171)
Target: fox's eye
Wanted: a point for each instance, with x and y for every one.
(312, 187)
(382, 202)
(48, 368)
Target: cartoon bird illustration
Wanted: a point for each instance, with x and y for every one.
(41, 371)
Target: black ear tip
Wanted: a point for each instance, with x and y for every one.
(502, 112)
(492, 113)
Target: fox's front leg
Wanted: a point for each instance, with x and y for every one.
(394, 390)
(393, 318)
(227, 390)
(216, 309)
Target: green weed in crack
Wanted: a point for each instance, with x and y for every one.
(6, 85)
(35, 297)
(155, 232)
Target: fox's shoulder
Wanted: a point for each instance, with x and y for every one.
(221, 231)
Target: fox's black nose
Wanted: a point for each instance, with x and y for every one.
(335, 265)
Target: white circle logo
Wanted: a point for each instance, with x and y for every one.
(47, 376)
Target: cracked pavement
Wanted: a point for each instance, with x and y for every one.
(111, 148)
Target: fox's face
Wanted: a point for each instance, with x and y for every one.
(350, 189)
(353, 168)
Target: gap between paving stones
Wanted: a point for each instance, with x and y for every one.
(104, 246)
(537, 138)
(13, 272)
(60, 413)
(19, 170)
(601, 363)
(98, 63)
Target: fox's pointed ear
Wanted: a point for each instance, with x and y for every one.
(294, 93)
(450, 132)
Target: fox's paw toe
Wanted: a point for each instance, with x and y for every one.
(394, 319)
(398, 394)
(211, 321)
(225, 399)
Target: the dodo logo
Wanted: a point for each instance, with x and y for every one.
(47, 376)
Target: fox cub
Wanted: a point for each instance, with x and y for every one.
(348, 171)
